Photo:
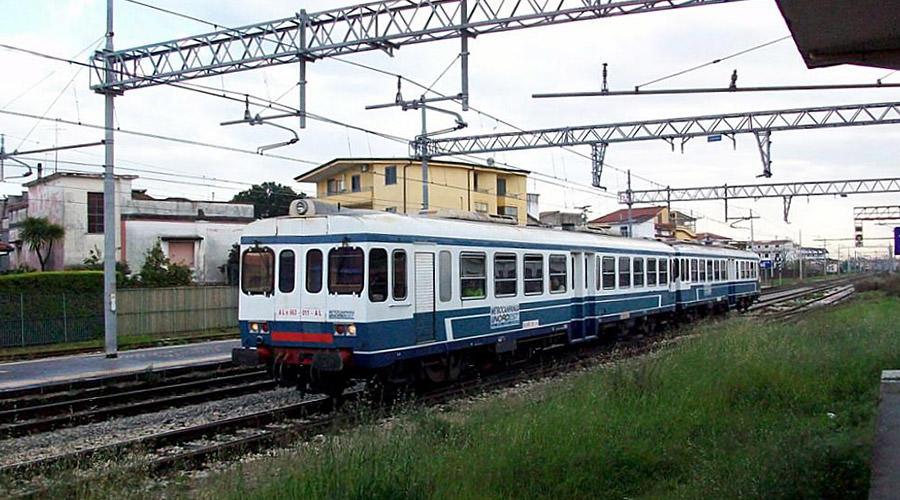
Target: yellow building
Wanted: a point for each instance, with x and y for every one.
(395, 185)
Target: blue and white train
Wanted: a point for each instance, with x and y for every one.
(329, 295)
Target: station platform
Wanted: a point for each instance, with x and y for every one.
(34, 373)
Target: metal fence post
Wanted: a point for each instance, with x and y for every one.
(65, 321)
(22, 317)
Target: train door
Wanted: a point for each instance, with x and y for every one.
(579, 285)
(424, 282)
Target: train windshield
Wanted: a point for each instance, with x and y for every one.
(258, 271)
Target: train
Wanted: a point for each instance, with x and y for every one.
(329, 296)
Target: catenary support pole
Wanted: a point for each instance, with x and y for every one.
(630, 203)
(304, 21)
(424, 146)
(464, 56)
(109, 207)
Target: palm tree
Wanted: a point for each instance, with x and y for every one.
(39, 234)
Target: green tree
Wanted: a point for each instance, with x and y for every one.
(39, 234)
(269, 199)
(159, 271)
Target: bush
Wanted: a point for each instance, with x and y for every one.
(887, 283)
(52, 282)
(159, 271)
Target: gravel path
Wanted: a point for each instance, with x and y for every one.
(62, 441)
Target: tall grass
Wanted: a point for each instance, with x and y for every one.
(743, 411)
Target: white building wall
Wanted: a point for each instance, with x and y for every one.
(211, 246)
(646, 229)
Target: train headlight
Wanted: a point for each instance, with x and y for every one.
(254, 327)
(351, 329)
(345, 329)
(262, 327)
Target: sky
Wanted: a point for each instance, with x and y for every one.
(505, 69)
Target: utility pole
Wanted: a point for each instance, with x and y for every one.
(424, 158)
(109, 204)
(630, 234)
(801, 255)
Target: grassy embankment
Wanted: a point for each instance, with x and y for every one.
(747, 410)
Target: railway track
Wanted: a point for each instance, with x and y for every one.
(785, 304)
(33, 413)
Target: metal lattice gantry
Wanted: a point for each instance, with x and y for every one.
(760, 123)
(883, 212)
(785, 190)
(384, 25)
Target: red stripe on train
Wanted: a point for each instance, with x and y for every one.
(320, 338)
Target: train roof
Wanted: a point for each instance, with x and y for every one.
(375, 222)
(700, 249)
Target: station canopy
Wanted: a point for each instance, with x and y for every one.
(831, 32)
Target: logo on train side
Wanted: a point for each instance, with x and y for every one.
(502, 316)
(334, 315)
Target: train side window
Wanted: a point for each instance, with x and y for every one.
(609, 273)
(676, 271)
(651, 272)
(598, 265)
(558, 276)
(505, 279)
(703, 275)
(314, 271)
(258, 271)
(637, 272)
(695, 270)
(472, 275)
(446, 276)
(345, 270)
(663, 271)
(399, 290)
(533, 273)
(685, 270)
(378, 275)
(624, 272)
(286, 271)
(709, 271)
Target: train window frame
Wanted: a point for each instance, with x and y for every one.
(624, 272)
(336, 256)
(564, 273)
(311, 273)
(445, 276)
(652, 275)
(505, 258)
(663, 269)
(399, 273)
(373, 278)
(676, 269)
(606, 273)
(637, 272)
(532, 259)
(695, 270)
(262, 290)
(702, 270)
(283, 285)
(709, 270)
(463, 276)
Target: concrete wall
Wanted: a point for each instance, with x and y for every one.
(212, 242)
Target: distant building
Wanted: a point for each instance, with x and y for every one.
(649, 222)
(198, 234)
(776, 250)
(395, 185)
(713, 239)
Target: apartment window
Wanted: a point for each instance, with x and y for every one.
(390, 175)
(651, 272)
(314, 271)
(637, 273)
(481, 207)
(533, 273)
(504, 275)
(472, 276)
(399, 290)
(624, 272)
(507, 210)
(623, 230)
(391, 210)
(336, 185)
(559, 279)
(345, 270)
(501, 186)
(286, 271)
(95, 213)
(475, 180)
(355, 184)
(609, 273)
(664, 271)
(445, 262)
(378, 275)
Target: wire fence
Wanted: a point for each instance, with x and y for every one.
(32, 319)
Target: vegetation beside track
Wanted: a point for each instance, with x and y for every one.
(742, 410)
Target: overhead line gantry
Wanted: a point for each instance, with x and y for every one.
(785, 190)
(599, 137)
